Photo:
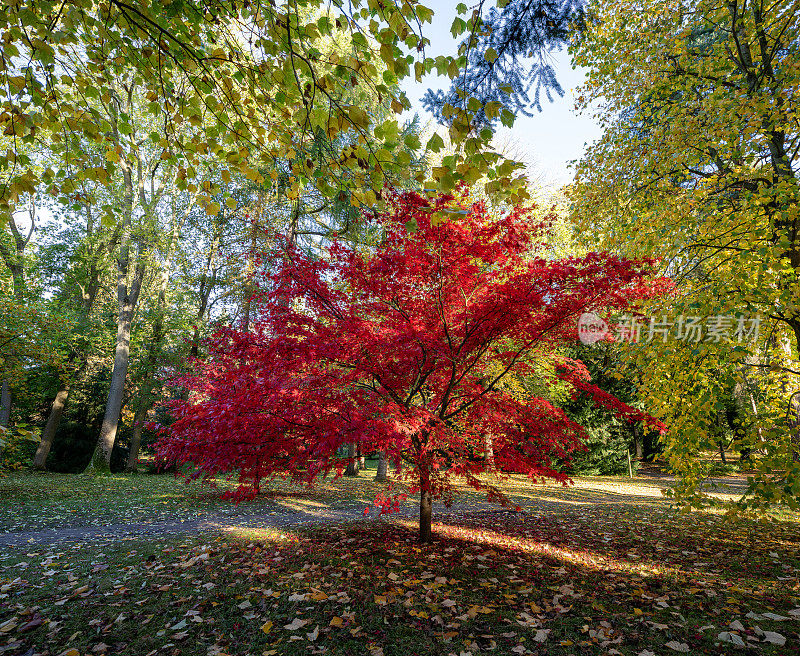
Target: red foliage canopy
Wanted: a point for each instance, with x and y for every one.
(405, 348)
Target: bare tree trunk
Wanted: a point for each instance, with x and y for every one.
(361, 462)
(127, 298)
(638, 443)
(488, 448)
(722, 452)
(15, 261)
(5, 410)
(382, 474)
(425, 508)
(248, 287)
(101, 459)
(50, 428)
(352, 469)
(5, 403)
(138, 427)
(146, 399)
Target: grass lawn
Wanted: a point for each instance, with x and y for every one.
(602, 568)
(33, 501)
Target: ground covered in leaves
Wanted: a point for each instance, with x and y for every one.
(579, 577)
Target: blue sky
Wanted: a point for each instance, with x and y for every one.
(550, 138)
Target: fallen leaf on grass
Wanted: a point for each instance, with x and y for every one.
(295, 624)
(678, 646)
(774, 617)
(774, 638)
(337, 622)
(541, 635)
(8, 626)
(266, 627)
(727, 636)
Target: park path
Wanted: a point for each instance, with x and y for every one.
(214, 522)
(211, 522)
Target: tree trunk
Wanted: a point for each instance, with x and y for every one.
(722, 452)
(5, 411)
(138, 426)
(101, 459)
(127, 298)
(351, 470)
(50, 428)
(360, 459)
(146, 399)
(382, 474)
(638, 444)
(488, 448)
(5, 404)
(425, 509)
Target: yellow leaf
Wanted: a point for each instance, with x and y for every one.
(337, 622)
(266, 627)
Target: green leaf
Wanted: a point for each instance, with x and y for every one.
(458, 27)
(412, 141)
(507, 118)
(492, 109)
(435, 143)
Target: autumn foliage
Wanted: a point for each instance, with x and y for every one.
(408, 348)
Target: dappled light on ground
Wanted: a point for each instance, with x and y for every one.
(560, 580)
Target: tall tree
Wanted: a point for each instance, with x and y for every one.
(13, 257)
(698, 165)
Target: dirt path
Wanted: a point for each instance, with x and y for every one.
(210, 523)
(214, 522)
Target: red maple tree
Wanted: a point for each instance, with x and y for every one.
(405, 348)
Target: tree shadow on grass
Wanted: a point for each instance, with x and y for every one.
(572, 584)
(581, 581)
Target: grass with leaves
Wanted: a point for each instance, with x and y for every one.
(605, 567)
